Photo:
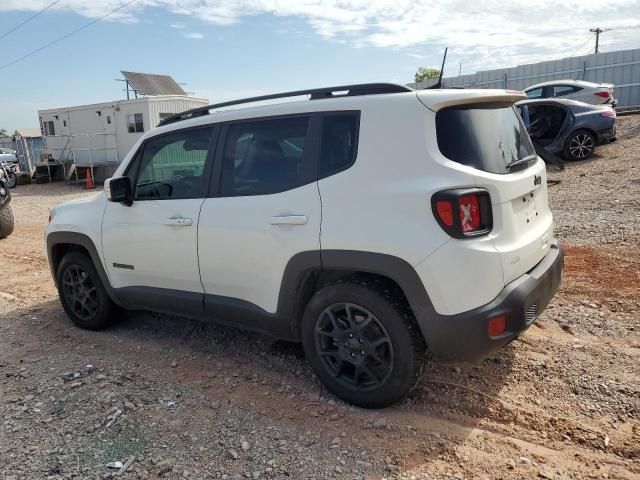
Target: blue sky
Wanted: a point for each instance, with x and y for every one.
(226, 49)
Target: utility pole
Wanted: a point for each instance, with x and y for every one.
(597, 31)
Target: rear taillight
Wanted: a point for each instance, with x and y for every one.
(445, 212)
(608, 113)
(606, 94)
(463, 213)
(469, 208)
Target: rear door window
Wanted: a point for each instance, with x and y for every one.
(265, 156)
(561, 90)
(488, 137)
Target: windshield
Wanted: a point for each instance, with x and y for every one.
(486, 137)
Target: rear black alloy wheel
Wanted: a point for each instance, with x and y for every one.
(80, 292)
(363, 342)
(580, 145)
(354, 346)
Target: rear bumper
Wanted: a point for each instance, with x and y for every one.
(464, 337)
(607, 136)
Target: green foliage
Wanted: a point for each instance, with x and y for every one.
(426, 74)
(3, 132)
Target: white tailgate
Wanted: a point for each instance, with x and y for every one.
(522, 220)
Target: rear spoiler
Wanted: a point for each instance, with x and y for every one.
(438, 99)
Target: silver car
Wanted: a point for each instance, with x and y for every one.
(8, 155)
(587, 92)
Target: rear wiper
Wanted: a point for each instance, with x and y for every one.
(515, 163)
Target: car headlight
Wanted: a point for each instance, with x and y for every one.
(3, 191)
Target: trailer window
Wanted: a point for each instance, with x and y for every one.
(134, 123)
(49, 129)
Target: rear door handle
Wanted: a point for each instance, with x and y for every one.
(178, 222)
(289, 220)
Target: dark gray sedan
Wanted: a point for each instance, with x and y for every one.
(567, 127)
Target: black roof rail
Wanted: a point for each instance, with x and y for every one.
(315, 94)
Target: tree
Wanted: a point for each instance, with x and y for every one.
(426, 74)
(3, 132)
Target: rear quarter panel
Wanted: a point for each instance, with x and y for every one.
(382, 204)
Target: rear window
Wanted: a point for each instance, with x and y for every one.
(487, 137)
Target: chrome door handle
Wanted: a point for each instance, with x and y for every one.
(289, 220)
(178, 222)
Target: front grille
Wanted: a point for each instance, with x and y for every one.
(531, 313)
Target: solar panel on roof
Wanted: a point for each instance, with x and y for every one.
(150, 84)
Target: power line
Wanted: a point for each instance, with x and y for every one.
(599, 30)
(59, 39)
(628, 27)
(580, 47)
(632, 44)
(30, 18)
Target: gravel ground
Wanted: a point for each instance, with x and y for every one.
(172, 398)
(597, 200)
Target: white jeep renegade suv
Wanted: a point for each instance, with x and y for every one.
(376, 224)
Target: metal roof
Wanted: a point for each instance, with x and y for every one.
(28, 132)
(151, 84)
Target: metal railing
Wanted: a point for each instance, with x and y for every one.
(78, 157)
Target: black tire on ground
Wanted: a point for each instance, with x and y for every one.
(580, 145)
(82, 293)
(6, 221)
(363, 343)
(12, 180)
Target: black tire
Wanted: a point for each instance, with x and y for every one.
(6, 221)
(580, 145)
(394, 366)
(82, 293)
(12, 179)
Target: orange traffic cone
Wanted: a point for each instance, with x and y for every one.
(89, 181)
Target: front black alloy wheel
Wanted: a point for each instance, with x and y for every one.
(354, 346)
(363, 342)
(82, 293)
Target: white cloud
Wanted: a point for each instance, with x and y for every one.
(178, 25)
(484, 34)
(194, 35)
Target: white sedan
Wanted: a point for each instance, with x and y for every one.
(587, 92)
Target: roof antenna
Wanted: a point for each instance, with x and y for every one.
(439, 84)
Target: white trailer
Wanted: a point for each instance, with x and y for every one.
(98, 136)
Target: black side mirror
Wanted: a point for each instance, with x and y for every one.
(120, 190)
